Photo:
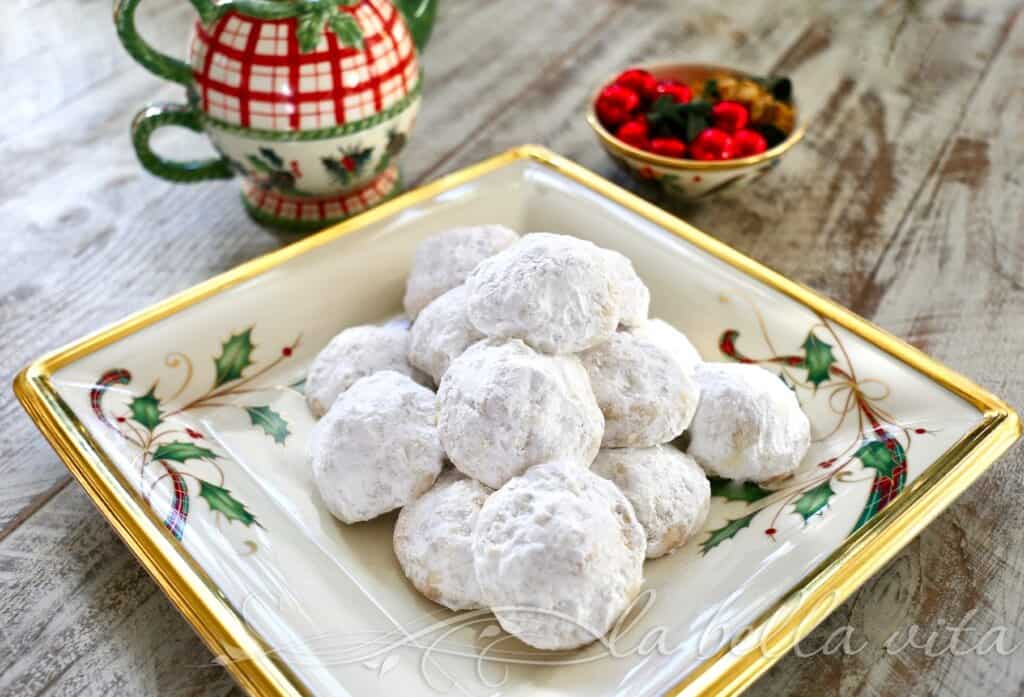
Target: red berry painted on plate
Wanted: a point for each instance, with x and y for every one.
(712, 144)
(634, 133)
(640, 81)
(615, 105)
(286, 351)
(749, 142)
(770, 531)
(668, 147)
(730, 116)
(920, 431)
(676, 90)
(193, 433)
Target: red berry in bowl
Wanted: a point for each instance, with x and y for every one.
(730, 116)
(713, 144)
(615, 105)
(749, 142)
(634, 133)
(679, 92)
(640, 81)
(668, 147)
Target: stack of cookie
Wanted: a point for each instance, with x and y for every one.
(557, 403)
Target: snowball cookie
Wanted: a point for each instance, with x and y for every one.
(376, 449)
(445, 260)
(559, 555)
(635, 298)
(503, 407)
(663, 334)
(645, 396)
(749, 425)
(670, 494)
(554, 292)
(355, 353)
(441, 333)
(434, 541)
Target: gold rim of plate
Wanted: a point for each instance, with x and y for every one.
(726, 673)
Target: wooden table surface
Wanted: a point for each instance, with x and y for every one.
(905, 202)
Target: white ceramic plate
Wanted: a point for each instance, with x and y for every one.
(187, 425)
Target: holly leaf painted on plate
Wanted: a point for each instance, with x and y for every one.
(818, 359)
(146, 409)
(732, 490)
(347, 30)
(726, 532)
(270, 422)
(221, 501)
(882, 456)
(814, 501)
(234, 357)
(180, 451)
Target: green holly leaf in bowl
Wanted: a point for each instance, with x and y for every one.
(684, 121)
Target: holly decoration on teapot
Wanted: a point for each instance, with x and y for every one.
(308, 101)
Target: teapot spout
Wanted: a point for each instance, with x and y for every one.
(419, 15)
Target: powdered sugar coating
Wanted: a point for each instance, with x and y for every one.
(559, 555)
(355, 353)
(434, 541)
(503, 407)
(663, 334)
(377, 448)
(443, 261)
(749, 425)
(670, 494)
(554, 292)
(441, 333)
(645, 396)
(634, 296)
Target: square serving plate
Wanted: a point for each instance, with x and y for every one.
(186, 425)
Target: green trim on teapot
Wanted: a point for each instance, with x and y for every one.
(319, 133)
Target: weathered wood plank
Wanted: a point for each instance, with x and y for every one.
(952, 282)
(81, 616)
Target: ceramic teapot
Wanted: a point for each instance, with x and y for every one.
(308, 101)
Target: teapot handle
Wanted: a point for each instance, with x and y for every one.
(158, 115)
(157, 63)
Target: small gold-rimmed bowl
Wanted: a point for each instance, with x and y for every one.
(684, 178)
